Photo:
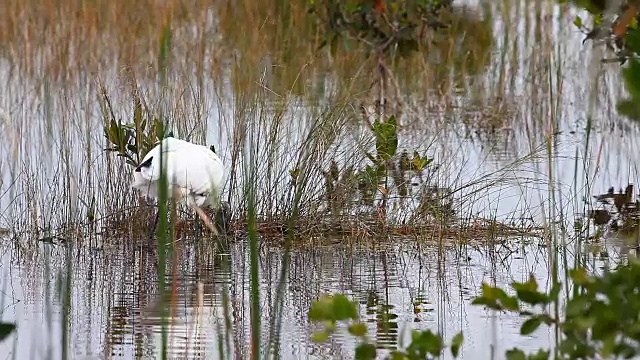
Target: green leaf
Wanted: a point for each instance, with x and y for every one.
(122, 138)
(632, 78)
(578, 22)
(608, 347)
(365, 351)
(576, 306)
(540, 355)
(515, 354)
(629, 108)
(510, 302)
(321, 310)
(137, 114)
(343, 308)
(528, 292)
(497, 299)
(532, 297)
(530, 285)
(358, 329)
(483, 300)
(398, 355)
(597, 20)
(585, 322)
(418, 163)
(319, 336)
(386, 138)
(425, 342)
(456, 342)
(113, 132)
(579, 276)
(530, 325)
(633, 39)
(6, 329)
(329, 325)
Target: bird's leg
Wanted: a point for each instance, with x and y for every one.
(205, 219)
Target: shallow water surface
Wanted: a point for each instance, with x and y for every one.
(115, 312)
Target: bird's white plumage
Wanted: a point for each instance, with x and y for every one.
(193, 171)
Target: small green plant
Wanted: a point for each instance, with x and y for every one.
(331, 309)
(385, 164)
(135, 139)
(386, 134)
(416, 163)
(386, 139)
(601, 317)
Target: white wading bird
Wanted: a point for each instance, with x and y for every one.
(194, 172)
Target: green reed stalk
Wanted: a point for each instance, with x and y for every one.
(66, 302)
(163, 209)
(250, 184)
(255, 294)
(227, 316)
(162, 242)
(165, 48)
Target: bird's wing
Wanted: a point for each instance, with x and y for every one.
(198, 169)
(149, 168)
(193, 168)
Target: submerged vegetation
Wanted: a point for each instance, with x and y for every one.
(360, 137)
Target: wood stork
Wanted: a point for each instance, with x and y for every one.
(194, 173)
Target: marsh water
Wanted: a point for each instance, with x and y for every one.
(54, 168)
(399, 286)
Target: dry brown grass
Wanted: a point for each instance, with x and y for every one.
(61, 38)
(268, 46)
